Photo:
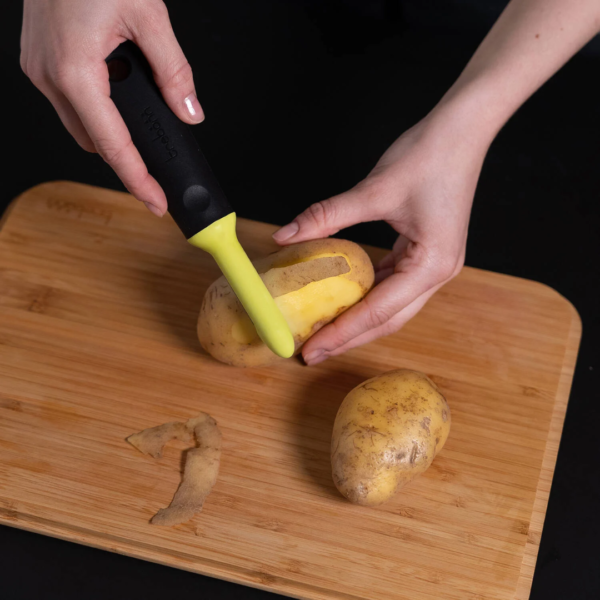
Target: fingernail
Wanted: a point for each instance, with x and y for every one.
(318, 360)
(313, 358)
(286, 232)
(153, 209)
(194, 109)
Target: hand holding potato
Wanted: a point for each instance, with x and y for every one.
(423, 186)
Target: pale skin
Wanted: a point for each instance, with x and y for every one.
(423, 185)
(63, 47)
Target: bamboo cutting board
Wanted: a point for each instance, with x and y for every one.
(98, 305)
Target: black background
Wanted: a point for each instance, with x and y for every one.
(301, 99)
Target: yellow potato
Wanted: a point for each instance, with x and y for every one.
(387, 431)
(312, 283)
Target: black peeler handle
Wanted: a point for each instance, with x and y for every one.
(165, 143)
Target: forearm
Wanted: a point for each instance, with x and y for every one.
(531, 40)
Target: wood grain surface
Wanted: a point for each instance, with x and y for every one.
(98, 307)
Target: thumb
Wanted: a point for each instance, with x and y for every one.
(171, 70)
(329, 216)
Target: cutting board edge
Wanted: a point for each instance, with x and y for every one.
(13, 203)
(276, 584)
(542, 495)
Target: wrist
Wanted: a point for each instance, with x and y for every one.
(471, 114)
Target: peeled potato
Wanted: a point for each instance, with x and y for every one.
(312, 283)
(387, 431)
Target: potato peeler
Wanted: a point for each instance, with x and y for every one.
(196, 201)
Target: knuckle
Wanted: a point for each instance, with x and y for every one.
(377, 318)
(377, 315)
(445, 268)
(36, 73)
(110, 152)
(40, 80)
(178, 75)
(320, 214)
(65, 77)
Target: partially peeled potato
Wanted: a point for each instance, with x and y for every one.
(312, 283)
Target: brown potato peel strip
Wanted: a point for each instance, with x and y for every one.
(152, 441)
(283, 280)
(201, 464)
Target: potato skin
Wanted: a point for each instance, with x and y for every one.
(221, 311)
(362, 268)
(387, 431)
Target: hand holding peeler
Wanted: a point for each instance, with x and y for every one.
(195, 199)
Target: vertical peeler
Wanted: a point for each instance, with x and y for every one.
(195, 199)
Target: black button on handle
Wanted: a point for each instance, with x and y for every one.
(166, 144)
